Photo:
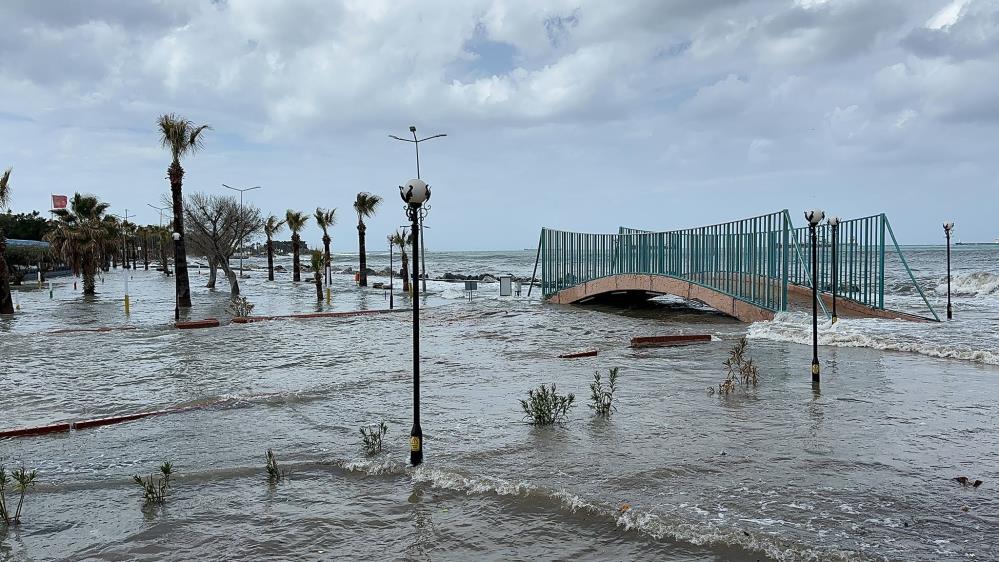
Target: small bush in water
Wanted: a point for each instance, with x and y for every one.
(545, 406)
(154, 489)
(274, 473)
(739, 370)
(240, 307)
(602, 397)
(371, 438)
(21, 479)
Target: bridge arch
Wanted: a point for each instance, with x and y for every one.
(662, 285)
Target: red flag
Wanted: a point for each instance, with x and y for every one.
(59, 201)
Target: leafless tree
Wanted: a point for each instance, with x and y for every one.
(216, 226)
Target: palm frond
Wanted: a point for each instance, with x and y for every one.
(180, 135)
(296, 220)
(366, 204)
(273, 226)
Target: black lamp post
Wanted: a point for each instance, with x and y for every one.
(176, 293)
(415, 193)
(391, 274)
(834, 225)
(948, 228)
(815, 217)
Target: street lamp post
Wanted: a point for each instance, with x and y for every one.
(159, 240)
(416, 141)
(834, 225)
(241, 222)
(415, 193)
(391, 274)
(948, 228)
(176, 293)
(815, 217)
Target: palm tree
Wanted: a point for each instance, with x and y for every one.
(402, 240)
(183, 138)
(81, 237)
(6, 302)
(296, 222)
(325, 219)
(271, 227)
(317, 265)
(366, 204)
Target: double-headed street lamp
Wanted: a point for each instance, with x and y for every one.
(948, 229)
(814, 218)
(159, 240)
(833, 223)
(240, 222)
(415, 193)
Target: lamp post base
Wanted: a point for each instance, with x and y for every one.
(815, 372)
(416, 445)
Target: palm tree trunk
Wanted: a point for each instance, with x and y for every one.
(319, 285)
(296, 265)
(328, 262)
(89, 284)
(270, 259)
(6, 301)
(405, 272)
(363, 252)
(176, 175)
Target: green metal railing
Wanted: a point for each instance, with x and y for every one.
(753, 260)
(748, 259)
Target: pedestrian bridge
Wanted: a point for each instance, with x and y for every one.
(750, 269)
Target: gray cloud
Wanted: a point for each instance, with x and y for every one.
(766, 101)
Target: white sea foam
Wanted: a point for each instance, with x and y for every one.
(975, 284)
(886, 335)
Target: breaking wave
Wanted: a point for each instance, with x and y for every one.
(885, 335)
(975, 284)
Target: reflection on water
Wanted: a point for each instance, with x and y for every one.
(859, 469)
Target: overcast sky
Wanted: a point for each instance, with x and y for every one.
(582, 115)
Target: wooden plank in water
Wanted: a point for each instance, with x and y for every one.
(206, 323)
(662, 341)
(577, 354)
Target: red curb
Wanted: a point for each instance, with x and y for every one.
(206, 323)
(660, 341)
(250, 319)
(588, 353)
(101, 329)
(67, 426)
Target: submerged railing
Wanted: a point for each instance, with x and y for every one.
(753, 260)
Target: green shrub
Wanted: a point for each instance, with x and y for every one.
(154, 488)
(274, 473)
(545, 406)
(22, 479)
(602, 397)
(371, 438)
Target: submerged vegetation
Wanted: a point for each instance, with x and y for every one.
(545, 406)
(21, 479)
(155, 488)
(739, 370)
(274, 473)
(371, 438)
(240, 307)
(602, 397)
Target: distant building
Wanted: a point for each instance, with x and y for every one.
(284, 247)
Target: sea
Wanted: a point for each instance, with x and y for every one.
(861, 468)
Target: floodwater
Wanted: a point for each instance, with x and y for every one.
(860, 470)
